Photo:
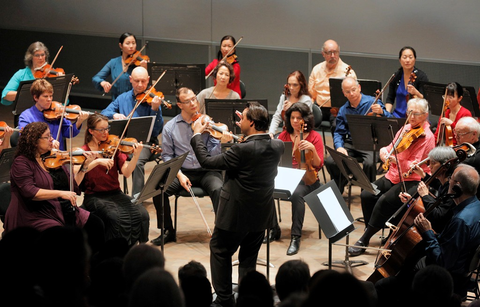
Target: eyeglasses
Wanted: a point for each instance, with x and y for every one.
(103, 129)
(39, 55)
(331, 52)
(46, 137)
(194, 99)
(461, 133)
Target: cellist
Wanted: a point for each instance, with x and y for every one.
(455, 111)
(377, 209)
(311, 143)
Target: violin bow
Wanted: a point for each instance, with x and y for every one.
(381, 92)
(64, 108)
(129, 117)
(225, 57)
(199, 210)
(125, 68)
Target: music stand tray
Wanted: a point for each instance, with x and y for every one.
(139, 128)
(6, 160)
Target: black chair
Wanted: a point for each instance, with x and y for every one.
(243, 89)
(14, 138)
(317, 115)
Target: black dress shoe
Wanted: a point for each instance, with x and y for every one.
(168, 236)
(275, 234)
(294, 246)
(356, 251)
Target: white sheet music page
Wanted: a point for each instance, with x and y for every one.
(288, 178)
(334, 209)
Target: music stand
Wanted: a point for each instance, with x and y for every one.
(332, 214)
(24, 100)
(159, 180)
(6, 160)
(355, 176)
(376, 126)
(139, 128)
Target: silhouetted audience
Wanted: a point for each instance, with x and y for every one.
(433, 286)
(156, 287)
(195, 285)
(292, 277)
(254, 291)
(138, 260)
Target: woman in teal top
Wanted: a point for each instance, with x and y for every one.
(114, 68)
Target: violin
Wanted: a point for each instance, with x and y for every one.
(56, 110)
(215, 129)
(232, 58)
(305, 161)
(411, 80)
(125, 145)
(403, 142)
(47, 71)
(445, 132)
(2, 129)
(58, 158)
(286, 93)
(378, 94)
(136, 58)
(150, 94)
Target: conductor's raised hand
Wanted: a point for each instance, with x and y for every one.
(199, 126)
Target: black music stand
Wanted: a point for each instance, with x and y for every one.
(332, 214)
(369, 87)
(355, 176)
(6, 160)
(24, 99)
(139, 128)
(159, 180)
(369, 132)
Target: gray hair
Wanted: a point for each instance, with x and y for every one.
(419, 102)
(442, 154)
(34, 47)
(469, 122)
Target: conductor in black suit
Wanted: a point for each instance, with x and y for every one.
(246, 206)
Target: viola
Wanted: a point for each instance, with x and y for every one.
(411, 80)
(305, 161)
(214, 129)
(125, 145)
(445, 133)
(403, 142)
(58, 158)
(2, 129)
(286, 94)
(136, 58)
(47, 71)
(150, 94)
(56, 110)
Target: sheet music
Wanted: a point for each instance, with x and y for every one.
(288, 178)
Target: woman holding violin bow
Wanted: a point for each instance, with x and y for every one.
(120, 68)
(452, 111)
(227, 53)
(307, 154)
(41, 196)
(411, 143)
(42, 93)
(296, 90)
(224, 75)
(103, 195)
(36, 60)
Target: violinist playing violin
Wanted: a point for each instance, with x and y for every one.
(224, 75)
(121, 107)
(41, 197)
(358, 104)
(312, 144)
(296, 90)
(175, 142)
(103, 195)
(453, 112)
(226, 44)
(413, 143)
(115, 67)
(36, 57)
(42, 93)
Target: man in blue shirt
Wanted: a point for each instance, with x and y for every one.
(358, 104)
(121, 107)
(454, 247)
(175, 142)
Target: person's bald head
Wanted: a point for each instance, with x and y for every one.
(139, 79)
(467, 130)
(331, 52)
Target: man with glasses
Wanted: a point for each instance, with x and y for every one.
(358, 104)
(467, 130)
(332, 67)
(377, 209)
(175, 142)
(121, 107)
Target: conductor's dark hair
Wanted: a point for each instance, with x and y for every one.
(258, 114)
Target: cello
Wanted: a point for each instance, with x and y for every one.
(404, 242)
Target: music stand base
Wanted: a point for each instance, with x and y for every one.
(347, 264)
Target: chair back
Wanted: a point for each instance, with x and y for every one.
(243, 89)
(317, 115)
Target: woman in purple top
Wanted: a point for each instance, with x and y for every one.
(41, 198)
